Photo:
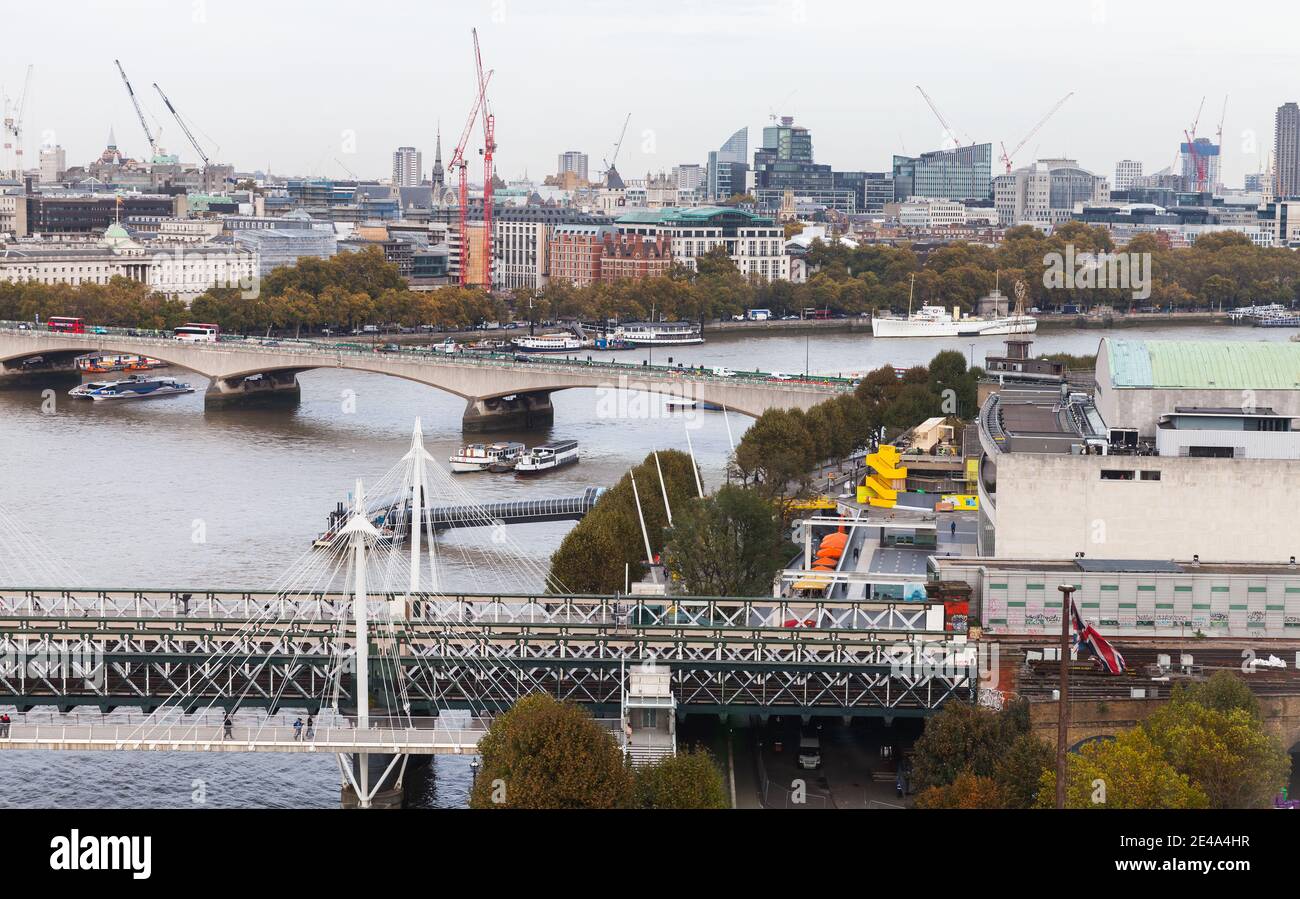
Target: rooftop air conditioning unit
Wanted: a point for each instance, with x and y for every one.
(1138, 693)
(1162, 661)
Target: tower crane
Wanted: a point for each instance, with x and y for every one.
(186, 128)
(489, 149)
(153, 144)
(459, 164)
(618, 145)
(1006, 157)
(13, 125)
(1198, 161)
(947, 129)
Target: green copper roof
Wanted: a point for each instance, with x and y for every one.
(684, 214)
(1205, 364)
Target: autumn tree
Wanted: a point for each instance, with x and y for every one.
(607, 542)
(1128, 772)
(967, 791)
(1213, 733)
(728, 544)
(688, 780)
(546, 754)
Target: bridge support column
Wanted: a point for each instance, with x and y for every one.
(519, 412)
(270, 387)
(372, 780)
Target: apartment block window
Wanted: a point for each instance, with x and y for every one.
(1116, 474)
(1150, 475)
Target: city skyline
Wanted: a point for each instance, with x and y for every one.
(861, 107)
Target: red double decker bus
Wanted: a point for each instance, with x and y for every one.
(66, 325)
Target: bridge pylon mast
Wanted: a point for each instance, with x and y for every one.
(419, 505)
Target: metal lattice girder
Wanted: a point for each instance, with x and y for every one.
(467, 651)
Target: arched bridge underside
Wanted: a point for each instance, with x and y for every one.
(500, 394)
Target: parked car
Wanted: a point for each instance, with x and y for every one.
(777, 376)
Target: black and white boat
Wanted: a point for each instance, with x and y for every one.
(482, 456)
(132, 388)
(548, 343)
(659, 333)
(547, 456)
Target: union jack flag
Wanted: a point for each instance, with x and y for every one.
(1089, 641)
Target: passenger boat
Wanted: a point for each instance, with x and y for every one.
(481, 456)
(547, 456)
(659, 333)
(548, 343)
(132, 388)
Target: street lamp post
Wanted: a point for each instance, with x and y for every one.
(1063, 707)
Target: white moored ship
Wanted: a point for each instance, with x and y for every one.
(479, 456)
(548, 456)
(548, 343)
(937, 321)
(659, 333)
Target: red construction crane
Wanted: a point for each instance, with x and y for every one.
(489, 148)
(458, 162)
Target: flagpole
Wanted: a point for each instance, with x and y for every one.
(1063, 706)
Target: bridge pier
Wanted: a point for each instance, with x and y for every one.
(517, 412)
(376, 780)
(272, 387)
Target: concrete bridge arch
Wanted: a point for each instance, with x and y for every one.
(500, 394)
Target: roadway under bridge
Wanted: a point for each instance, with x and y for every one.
(500, 391)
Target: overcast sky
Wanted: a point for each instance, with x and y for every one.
(284, 84)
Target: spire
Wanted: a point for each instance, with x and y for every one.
(112, 141)
(437, 159)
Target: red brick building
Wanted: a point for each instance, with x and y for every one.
(634, 257)
(576, 251)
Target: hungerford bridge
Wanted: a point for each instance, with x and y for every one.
(361, 636)
(501, 392)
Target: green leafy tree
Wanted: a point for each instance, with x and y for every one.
(687, 780)
(1213, 733)
(594, 556)
(728, 544)
(543, 753)
(1126, 773)
(965, 738)
(1019, 771)
(776, 453)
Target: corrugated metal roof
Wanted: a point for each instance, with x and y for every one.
(1205, 364)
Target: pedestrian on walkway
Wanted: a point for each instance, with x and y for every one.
(227, 728)
(311, 727)
(4, 725)
(952, 529)
(297, 728)
(856, 550)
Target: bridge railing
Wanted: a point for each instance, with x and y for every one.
(470, 610)
(339, 734)
(305, 347)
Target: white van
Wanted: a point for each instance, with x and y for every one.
(720, 372)
(810, 753)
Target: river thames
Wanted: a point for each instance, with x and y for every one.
(114, 493)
